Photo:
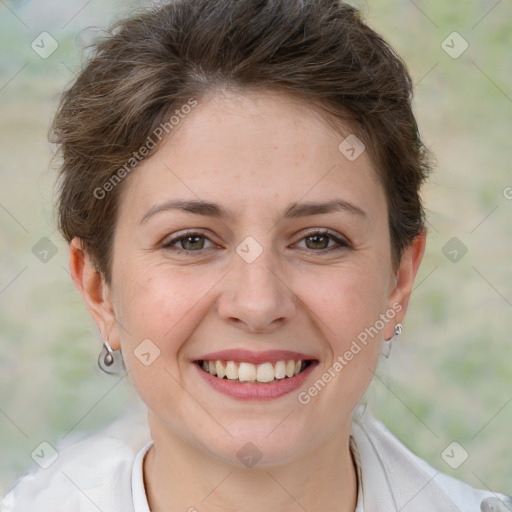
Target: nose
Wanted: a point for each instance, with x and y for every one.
(256, 296)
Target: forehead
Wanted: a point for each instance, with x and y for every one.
(252, 150)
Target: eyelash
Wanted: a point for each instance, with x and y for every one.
(342, 244)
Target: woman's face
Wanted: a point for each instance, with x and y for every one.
(254, 277)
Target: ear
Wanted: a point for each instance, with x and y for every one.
(95, 292)
(400, 294)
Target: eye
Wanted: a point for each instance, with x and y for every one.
(190, 241)
(319, 241)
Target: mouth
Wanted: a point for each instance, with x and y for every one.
(265, 373)
(248, 375)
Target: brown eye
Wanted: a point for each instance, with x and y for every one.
(189, 242)
(317, 242)
(321, 241)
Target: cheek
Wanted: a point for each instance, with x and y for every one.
(348, 301)
(161, 304)
(345, 302)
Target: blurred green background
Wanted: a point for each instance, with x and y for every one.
(449, 377)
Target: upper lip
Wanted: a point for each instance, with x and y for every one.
(249, 356)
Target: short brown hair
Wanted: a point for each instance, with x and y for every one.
(153, 63)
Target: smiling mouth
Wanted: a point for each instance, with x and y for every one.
(248, 373)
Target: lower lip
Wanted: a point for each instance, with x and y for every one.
(264, 391)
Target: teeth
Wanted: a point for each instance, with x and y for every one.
(248, 372)
(221, 371)
(280, 371)
(265, 372)
(231, 370)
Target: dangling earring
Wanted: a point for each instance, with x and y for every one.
(107, 359)
(386, 346)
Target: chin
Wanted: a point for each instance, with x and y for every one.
(259, 442)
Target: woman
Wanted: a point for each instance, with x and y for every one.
(240, 192)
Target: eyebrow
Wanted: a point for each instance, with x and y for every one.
(295, 210)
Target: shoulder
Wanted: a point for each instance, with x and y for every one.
(392, 472)
(89, 474)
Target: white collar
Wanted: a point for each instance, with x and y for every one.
(99, 472)
(140, 501)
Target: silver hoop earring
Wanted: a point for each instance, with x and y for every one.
(386, 345)
(108, 361)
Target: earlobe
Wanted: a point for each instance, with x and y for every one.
(91, 285)
(399, 297)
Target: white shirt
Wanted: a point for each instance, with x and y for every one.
(104, 471)
(140, 502)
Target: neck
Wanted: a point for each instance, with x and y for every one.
(180, 477)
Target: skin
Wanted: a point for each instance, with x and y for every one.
(254, 155)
